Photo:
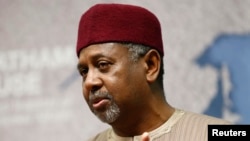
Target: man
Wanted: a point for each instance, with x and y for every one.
(120, 53)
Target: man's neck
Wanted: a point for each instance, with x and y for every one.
(147, 121)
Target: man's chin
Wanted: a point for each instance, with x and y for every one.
(107, 116)
(103, 118)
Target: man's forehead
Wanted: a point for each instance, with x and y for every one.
(103, 49)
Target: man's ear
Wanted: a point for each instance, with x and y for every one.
(152, 62)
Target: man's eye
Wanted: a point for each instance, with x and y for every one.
(103, 65)
(83, 71)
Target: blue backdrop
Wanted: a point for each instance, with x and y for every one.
(234, 52)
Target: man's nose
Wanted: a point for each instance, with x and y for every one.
(93, 81)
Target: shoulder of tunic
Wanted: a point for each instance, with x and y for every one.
(100, 136)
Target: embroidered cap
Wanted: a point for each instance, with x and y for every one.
(104, 23)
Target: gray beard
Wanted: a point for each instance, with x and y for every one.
(112, 112)
(110, 115)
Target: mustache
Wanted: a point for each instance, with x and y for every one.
(93, 96)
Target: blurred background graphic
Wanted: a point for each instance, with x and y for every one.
(207, 69)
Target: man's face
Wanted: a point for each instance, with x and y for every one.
(111, 82)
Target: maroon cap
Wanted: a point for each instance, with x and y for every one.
(104, 23)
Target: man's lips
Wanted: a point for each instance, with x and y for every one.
(100, 103)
